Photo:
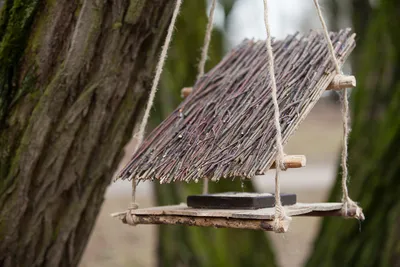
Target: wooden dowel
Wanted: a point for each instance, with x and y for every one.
(340, 82)
(186, 91)
(293, 161)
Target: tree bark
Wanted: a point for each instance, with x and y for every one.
(73, 80)
(374, 153)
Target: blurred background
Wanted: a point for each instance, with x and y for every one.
(319, 138)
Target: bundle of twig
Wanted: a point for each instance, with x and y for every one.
(225, 127)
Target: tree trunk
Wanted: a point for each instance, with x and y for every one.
(73, 81)
(374, 153)
(193, 246)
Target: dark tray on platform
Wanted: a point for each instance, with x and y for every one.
(238, 200)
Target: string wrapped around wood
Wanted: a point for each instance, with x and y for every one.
(281, 220)
(348, 203)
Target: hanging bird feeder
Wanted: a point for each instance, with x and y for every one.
(233, 124)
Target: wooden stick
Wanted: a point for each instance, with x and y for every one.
(202, 222)
(186, 91)
(293, 161)
(340, 82)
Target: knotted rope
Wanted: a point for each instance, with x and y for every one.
(348, 203)
(159, 68)
(203, 60)
(281, 220)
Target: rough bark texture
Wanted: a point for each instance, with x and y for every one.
(194, 246)
(73, 79)
(374, 153)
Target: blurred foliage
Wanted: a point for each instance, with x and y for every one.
(192, 246)
(333, 7)
(374, 154)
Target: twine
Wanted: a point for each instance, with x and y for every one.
(159, 68)
(280, 218)
(207, 40)
(348, 203)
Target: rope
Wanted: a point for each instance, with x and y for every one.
(134, 205)
(205, 186)
(327, 38)
(207, 40)
(203, 60)
(159, 68)
(280, 217)
(348, 203)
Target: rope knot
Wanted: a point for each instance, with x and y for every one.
(134, 206)
(280, 161)
(351, 209)
(130, 218)
(281, 220)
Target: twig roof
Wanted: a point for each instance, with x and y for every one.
(225, 129)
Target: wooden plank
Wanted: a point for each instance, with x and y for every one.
(261, 219)
(186, 211)
(159, 210)
(264, 225)
(299, 209)
(320, 206)
(183, 210)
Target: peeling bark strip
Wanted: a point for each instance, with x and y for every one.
(224, 128)
(73, 76)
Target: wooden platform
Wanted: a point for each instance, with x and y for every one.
(260, 219)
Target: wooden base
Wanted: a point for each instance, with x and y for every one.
(260, 219)
(204, 222)
(238, 200)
